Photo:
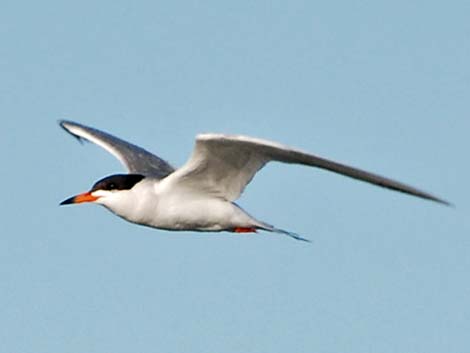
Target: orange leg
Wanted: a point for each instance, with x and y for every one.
(244, 230)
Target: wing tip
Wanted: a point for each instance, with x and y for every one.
(442, 202)
(67, 125)
(426, 196)
(64, 122)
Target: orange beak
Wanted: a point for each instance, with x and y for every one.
(80, 198)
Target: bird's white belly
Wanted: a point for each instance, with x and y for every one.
(195, 213)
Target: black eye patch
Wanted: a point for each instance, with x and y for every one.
(117, 182)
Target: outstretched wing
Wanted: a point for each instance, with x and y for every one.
(134, 158)
(224, 164)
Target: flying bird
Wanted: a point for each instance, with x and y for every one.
(200, 196)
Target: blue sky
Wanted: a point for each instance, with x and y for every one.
(380, 85)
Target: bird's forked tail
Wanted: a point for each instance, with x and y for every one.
(270, 228)
(290, 234)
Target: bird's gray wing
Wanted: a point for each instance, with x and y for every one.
(224, 164)
(135, 159)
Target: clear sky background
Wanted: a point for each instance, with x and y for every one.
(382, 85)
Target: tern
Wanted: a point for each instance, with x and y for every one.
(200, 196)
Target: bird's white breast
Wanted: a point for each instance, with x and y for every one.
(158, 204)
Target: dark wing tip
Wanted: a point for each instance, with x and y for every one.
(63, 124)
(421, 194)
(443, 202)
(416, 192)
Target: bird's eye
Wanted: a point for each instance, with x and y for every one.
(111, 186)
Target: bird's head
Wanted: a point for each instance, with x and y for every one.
(111, 191)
